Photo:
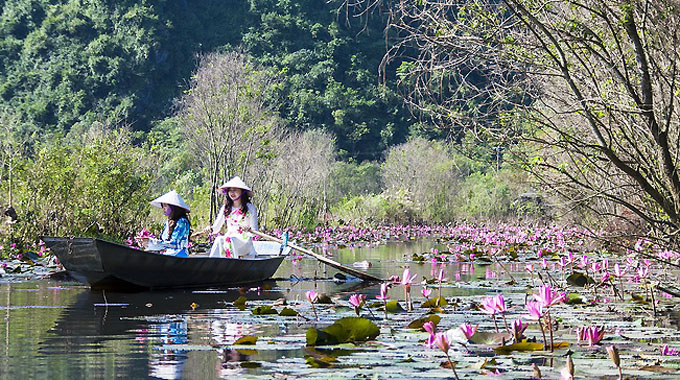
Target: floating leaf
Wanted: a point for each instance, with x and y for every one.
(557, 345)
(579, 279)
(251, 365)
(435, 302)
(240, 303)
(394, 307)
(246, 340)
(657, 369)
(323, 362)
(264, 310)
(574, 299)
(420, 322)
(288, 312)
(344, 330)
(520, 346)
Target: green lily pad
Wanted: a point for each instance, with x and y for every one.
(246, 340)
(240, 303)
(435, 302)
(520, 346)
(394, 307)
(288, 312)
(251, 365)
(344, 330)
(264, 310)
(579, 279)
(322, 362)
(574, 299)
(420, 322)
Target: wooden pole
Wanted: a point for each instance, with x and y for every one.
(323, 259)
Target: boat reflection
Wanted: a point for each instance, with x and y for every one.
(155, 334)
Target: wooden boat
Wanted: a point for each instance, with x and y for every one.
(107, 265)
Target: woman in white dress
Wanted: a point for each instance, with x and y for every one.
(234, 221)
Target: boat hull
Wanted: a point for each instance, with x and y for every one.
(105, 265)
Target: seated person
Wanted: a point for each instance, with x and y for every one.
(239, 216)
(174, 240)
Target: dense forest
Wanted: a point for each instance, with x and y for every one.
(125, 62)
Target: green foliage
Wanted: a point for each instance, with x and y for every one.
(344, 330)
(96, 185)
(69, 62)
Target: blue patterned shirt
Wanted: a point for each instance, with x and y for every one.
(175, 245)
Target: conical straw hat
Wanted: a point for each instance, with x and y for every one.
(171, 198)
(237, 183)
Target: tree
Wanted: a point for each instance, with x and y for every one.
(225, 117)
(601, 118)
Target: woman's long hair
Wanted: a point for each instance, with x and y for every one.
(228, 203)
(176, 214)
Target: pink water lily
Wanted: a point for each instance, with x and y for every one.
(312, 296)
(441, 340)
(535, 310)
(668, 351)
(468, 330)
(426, 292)
(518, 329)
(383, 296)
(592, 334)
(407, 279)
(549, 298)
(357, 300)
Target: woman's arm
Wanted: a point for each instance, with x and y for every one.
(180, 233)
(252, 212)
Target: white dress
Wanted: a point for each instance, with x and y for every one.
(234, 243)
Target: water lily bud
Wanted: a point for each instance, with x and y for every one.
(614, 355)
(570, 366)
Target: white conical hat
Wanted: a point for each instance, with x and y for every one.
(171, 198)
(237, 183)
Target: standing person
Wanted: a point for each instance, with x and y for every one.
(236, 217)
(175, 237)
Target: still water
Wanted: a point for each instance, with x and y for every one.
(63, 330)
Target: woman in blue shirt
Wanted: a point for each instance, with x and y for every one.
(174, 240)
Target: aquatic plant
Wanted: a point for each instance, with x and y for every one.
(383, 296)
(592, 334)
(468, 330)
(406, 282)
(312, 297)
(668, 351)
(441, 340)
(357, 301)
(495, 305)
(613, 353)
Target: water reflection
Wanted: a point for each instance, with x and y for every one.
(166, 362)
(149, 332)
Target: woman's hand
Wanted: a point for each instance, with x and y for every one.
(142, 242)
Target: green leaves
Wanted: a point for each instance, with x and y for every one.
(344, 330)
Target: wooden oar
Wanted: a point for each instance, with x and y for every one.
(325, 260)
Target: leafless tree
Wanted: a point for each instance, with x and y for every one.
(226, 119)
(591, 87)
(300, 175)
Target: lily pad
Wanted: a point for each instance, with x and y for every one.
(420, 322)
(322, 362)
(246, 340)
(344, 330)
(394, 307)
(240, 303)
(519, 346)
(264, 310)
(579, 279)
(288, 312)
(435, 302)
